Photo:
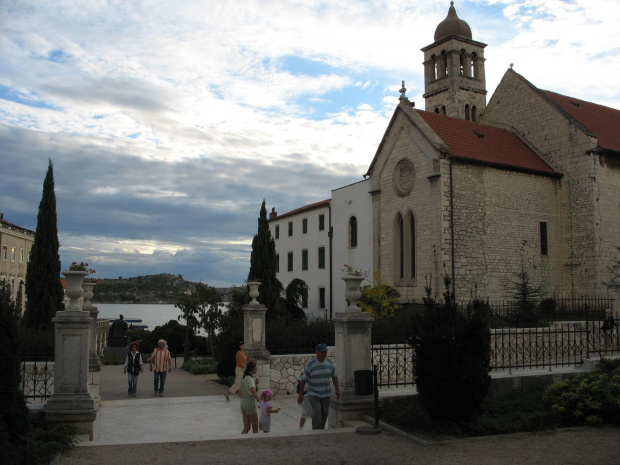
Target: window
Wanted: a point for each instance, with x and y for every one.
(544, 247)
(304, 300)
(412, 243)
(304, 226)
(473, 114)
(405, 247)
(290, 228)
(352, 232)
(304, 259)
(290, 261)
(13, 254)
(321, 297)
(467, 112)
(277, 231)
(277, 263)
(5, 252)
(321, 222)
(322, 258)
(21, 255)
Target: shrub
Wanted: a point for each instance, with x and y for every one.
(586, 399)
(200, 367)
(452, 360)
(381, 300)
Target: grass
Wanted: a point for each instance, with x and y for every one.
(521, 410)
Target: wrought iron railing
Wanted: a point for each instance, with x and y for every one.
(37, 377)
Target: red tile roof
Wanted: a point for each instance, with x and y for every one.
(601, 121)
(302, 209)
(485, 144)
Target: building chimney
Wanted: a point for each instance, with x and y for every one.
(273, 213)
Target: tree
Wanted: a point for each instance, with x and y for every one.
(44, 291)
(14, 422)
(452, 361)
(263, 267)
(296, 290)
(381, 299)
(202, 309)
(525, 299)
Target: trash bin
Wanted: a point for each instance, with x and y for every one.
(363, 382)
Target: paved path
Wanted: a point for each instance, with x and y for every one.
(193, 424)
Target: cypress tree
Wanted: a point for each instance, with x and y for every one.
(44, 291)
(263, 267)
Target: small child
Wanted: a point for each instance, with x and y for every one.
(264, 422)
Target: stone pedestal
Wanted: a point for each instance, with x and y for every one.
(71, 402)
(353, 349)
(254, 315)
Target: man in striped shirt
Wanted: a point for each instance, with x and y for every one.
(160, 359)
(315, 380)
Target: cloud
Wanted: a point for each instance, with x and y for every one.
(169, 122)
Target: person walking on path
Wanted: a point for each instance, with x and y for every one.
(241, 363)
(610, 331)
(161, 360)
(316, 377)
(266, 409)
(133, 367)
(248, 404)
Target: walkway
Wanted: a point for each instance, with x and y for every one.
(193, 424)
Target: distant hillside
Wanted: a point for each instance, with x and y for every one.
(152, 289)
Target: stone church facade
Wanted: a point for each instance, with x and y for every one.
(529, 181)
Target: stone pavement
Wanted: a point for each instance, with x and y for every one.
(194, 424)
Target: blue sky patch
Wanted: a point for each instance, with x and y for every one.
(6, 93)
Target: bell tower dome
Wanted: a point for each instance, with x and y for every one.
(454, 80)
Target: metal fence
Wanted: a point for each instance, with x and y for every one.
(563, 333)
(37, 377)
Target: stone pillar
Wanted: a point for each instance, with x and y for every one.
(71, 402)
(614, 288)
(94, 363)
(254, 336)
(353, 352)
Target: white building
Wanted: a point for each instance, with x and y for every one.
(314, 242)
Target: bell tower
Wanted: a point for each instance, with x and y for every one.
(454, 80)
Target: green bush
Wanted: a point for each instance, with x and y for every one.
(586, 399)
(452, 361)
(200, 367)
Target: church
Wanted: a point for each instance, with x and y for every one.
(478, 189)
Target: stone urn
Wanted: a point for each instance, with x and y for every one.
(254, 285)
(88, 294)
(352, 291)
(74, 289)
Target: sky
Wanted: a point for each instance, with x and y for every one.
(169, 122)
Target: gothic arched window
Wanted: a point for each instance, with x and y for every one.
(352, 232)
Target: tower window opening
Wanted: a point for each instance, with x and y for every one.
(473, 114)
(443, 109)
(473, 65)
(467, 112)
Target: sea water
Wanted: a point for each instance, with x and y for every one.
(151, 315)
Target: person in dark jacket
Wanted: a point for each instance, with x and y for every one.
(133, 367)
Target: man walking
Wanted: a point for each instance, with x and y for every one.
(160, 359)
(315, 380)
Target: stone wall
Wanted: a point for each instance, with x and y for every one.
(286, 370)
(588, 211)
(497, 216)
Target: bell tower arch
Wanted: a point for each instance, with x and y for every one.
(454, 79)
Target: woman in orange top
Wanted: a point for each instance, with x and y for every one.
(241, 360)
